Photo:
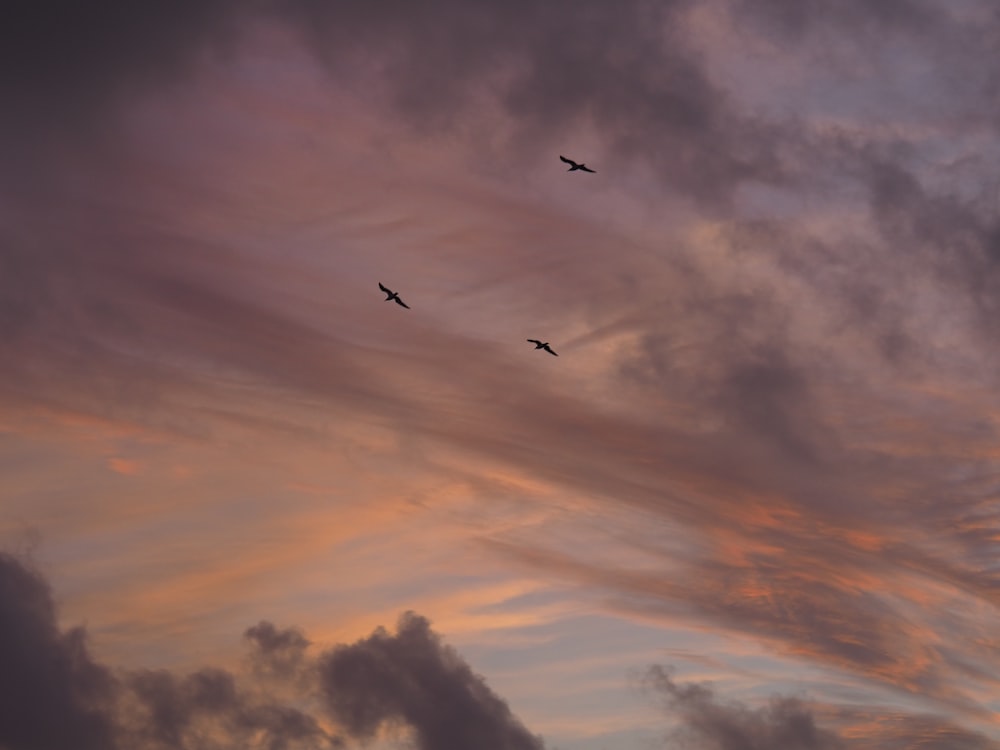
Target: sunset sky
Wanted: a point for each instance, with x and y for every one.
(754, 503)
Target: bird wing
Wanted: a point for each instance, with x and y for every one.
(588, 169)
(384, 288)
(534, 341)
(546, 348)
(400, 302)
(568, 161)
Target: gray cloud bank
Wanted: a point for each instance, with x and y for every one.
(628, 72)
(705, 721)
(635, 74)
(54, 694)
(709, 724)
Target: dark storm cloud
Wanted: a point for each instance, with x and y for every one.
(412, 678)
(167, 711)
(171, 704)
(278, 653)
(706, 723)
(53, 695)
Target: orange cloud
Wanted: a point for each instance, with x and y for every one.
(125, 466)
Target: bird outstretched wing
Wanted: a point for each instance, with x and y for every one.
(534, 341)
(400, 302)
(584, 168)
(546, 348)
(384, 288)
(568, 161)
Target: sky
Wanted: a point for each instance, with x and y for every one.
(753, 504)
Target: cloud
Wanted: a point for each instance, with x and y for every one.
(412, 678)
(546, 71)
(855, 17)
(167, 711)
(873, 730)
(57, 695)
(54, 695)
(796, 399)
(68, 70)
(124, 466)
(71, 282)
(704, 721)
(277, 653)
(954, 239)
(521, 78)
(707, 723)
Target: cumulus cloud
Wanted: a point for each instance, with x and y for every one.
(410, 677)
(55, 695)
(279, 653)
(209, 708)
(707, 723)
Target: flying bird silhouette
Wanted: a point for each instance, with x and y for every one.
(543, 345)
(391, 295)
(573, 166)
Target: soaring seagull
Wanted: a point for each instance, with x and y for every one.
(543, 345)
(391, 295)
(573, 166)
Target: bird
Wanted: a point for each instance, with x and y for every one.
(573, 166)
(543, 345)
(391, 295)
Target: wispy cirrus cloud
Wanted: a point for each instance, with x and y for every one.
(794, 378)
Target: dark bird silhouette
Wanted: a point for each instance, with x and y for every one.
(573, 166)
(391, 295)
(543, 345)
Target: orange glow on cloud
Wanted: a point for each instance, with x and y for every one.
(124, 466)
(772, 420)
